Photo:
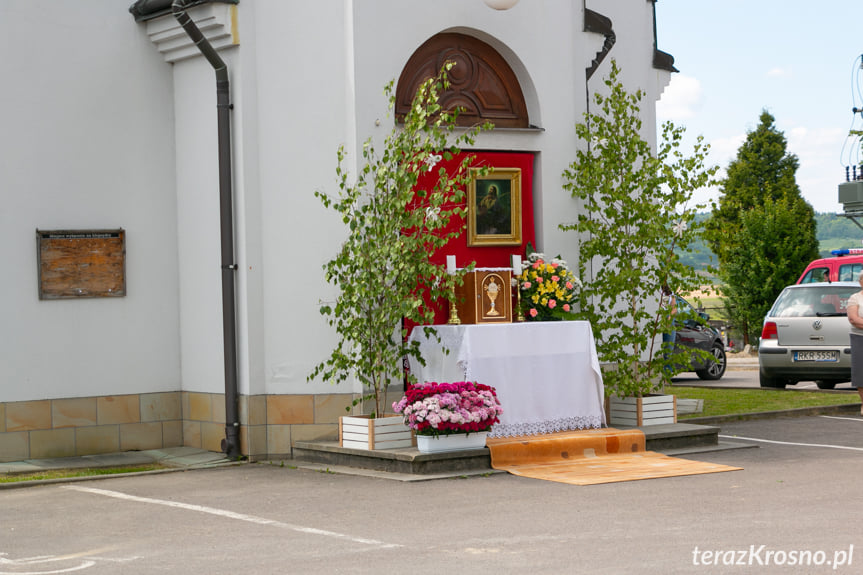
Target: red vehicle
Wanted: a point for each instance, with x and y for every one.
(845, 267)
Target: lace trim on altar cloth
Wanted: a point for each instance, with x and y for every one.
(548, 426)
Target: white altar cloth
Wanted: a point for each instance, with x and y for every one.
(546, 374)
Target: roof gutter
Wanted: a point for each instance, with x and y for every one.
(231, 443)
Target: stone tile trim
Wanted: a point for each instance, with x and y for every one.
(28, 415)
(69, 427)
(269, 424)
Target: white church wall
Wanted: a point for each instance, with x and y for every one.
(326, 83)
(299, 115)
(108, 134)
(248, 213)
(633, 26)
(198, 246)
(77, 84)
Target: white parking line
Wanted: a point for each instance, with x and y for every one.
(17, 564)
(857, 419)
(88, 559)
(791, 443)
(232, 515)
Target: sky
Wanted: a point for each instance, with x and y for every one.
(797, 59)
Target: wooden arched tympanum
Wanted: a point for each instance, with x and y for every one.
(482, 84)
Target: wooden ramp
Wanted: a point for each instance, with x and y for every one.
(590, 457)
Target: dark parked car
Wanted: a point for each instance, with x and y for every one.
(694, 334)
(806, 336)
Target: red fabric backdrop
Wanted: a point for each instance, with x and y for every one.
(486, 256)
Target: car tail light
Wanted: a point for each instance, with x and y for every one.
(769, 331)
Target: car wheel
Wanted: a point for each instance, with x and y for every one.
(824, 384)
(715, 367)
(774, 382)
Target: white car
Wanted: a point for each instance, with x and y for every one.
(806, 336)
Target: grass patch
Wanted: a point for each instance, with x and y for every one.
(709, 300)
(723, 401)
(67, 473)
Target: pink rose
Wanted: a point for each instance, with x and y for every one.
(539, 280)
(566, 307)
(552, 304)
(554, 265)
(568, 285)
(526, 285)
(555, 279)
(533, 312)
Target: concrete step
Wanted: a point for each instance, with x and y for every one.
(680, 437)
(406, 460)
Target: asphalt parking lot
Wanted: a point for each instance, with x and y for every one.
(789, 510)
(793, 501)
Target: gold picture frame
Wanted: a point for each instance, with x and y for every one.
(494, 208)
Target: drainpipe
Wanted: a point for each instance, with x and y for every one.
(231, 443)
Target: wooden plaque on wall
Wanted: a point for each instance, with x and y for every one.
(486, 297)
(81, 263)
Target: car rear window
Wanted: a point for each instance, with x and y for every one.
(815, 301)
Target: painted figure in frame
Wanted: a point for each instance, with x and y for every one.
(493, 210)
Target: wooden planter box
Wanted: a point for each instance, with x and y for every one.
(363, 432)
(640, 411)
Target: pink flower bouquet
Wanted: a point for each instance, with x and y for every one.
(446, 408)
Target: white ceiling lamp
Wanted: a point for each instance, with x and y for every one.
(501, 4)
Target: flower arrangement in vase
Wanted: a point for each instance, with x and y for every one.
(440, 409)
(549, 290)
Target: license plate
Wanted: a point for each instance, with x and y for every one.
(816, 356)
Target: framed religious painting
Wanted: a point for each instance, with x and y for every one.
(494, 208)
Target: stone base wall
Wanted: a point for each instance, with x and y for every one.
(269, 424)
(89, 425)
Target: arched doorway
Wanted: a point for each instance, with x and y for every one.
(486, 88)
(482, 83)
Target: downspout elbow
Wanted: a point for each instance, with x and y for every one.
(178, 9)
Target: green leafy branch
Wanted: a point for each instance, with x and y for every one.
(635, 221)
(382, 269)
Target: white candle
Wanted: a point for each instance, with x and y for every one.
(516, 264)
(450, 265)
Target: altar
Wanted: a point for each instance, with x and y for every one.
(546, 374)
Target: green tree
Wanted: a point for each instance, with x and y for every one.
(763, 171)
(757, 271)
(636, 223)
(760, 181)
(383, 268)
